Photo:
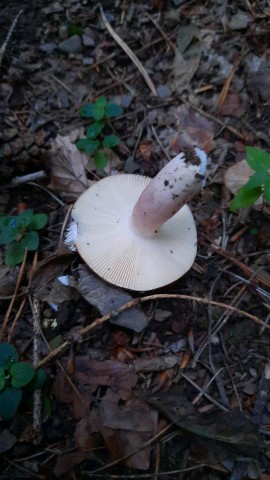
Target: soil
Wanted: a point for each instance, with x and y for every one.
(201, 344)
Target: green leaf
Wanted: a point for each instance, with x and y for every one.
(101, 102)
(87, 146)
(38, 221)
(99, 113)
(94, 130)
(8, 355)
(30, 241)
(24, 219)
(38, 380)
(113, 110)
(100, 159)
(258, 159)
(10, 399)
(2, 378)
(111, 141)
(87, 110)
(14, 253)
(244, 198)
(256, 180)
(266, 189)
(9, 229)
(21, 374)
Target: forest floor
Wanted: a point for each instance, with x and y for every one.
(177, 385)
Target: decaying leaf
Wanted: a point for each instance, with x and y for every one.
(234, 430)
(233, 106)
(124, 429)
(68, 167)
(108, 299)
(259, 81)
(67, 461)
(45, 281)
(237, 176)
(193, 129)
(7, 440)
(88, 376)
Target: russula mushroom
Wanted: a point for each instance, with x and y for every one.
(136, 232)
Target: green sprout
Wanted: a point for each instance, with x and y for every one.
(18, 233)
(95, 142)
(258, 184)
(16, 378)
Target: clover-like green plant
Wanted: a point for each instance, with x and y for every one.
(95, 142)
(18, 233)
(16, 378)
(258, 184)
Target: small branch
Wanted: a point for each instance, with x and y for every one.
(27, 178)
(137, 301)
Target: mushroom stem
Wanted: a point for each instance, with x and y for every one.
(181, 179)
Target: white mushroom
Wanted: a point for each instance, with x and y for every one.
(138, 233)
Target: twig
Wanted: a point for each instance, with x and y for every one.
(137, 301)
(221, 322)
(62, 85)
(158, 27)
(205, 387)
(27, 178)
(248, 271)
(36, 355)
(136, 476)
(5, 44)
(129, 52)
(203, 392)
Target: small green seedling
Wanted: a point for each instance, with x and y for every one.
(18, 232)
(16, 378)
(95, 142)
(258, 184)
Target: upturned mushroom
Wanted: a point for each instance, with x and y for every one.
(136, 232)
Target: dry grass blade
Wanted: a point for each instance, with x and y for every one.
(18, 314)
(20, 276)
(129, 52)
(5, 44)
(226, 86)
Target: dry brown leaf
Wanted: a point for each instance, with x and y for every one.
(67, 461)
(89, 375)
(193, 129)
(237, 176)
(233, 106)
(126, 429)
(68, 167)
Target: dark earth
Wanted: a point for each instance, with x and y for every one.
(175, 386)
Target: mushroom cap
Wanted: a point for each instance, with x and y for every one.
(111, 247)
